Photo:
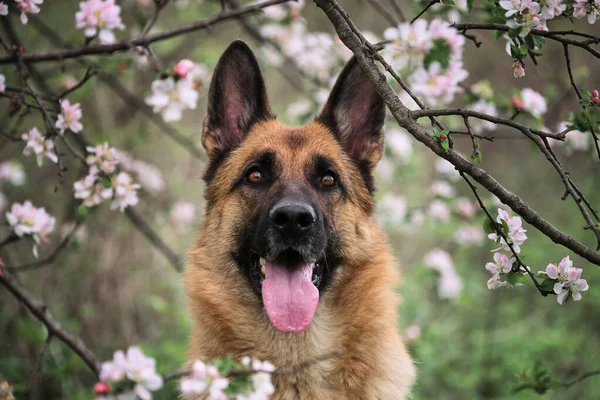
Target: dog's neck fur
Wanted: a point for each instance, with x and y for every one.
(362, 326)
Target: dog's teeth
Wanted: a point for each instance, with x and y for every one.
(262, 263)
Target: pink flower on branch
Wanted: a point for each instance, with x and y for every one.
(567, 280)
(589, 8)
(99, 17)
(36, 144)
(514, 232)
(69, 117)
(28, 7)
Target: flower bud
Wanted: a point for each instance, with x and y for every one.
(101, 388)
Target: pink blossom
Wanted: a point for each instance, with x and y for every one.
(515, 235)
(518, 69)
(91, 190)
(28, 7)
(38, 146)
(183, 67)
(182, 214)
(501, 266)
(568, 280)
(3, 8)
(68, 82)
(2, 83)
(446, 168)
(438, 87)
(25, 219)
(171, 98)
(552, 8)
(533, 102)
(12, 172)
(442, 189)
(69, 117)
(99, 17)
(115, 370)
(449, 283)
(409, 44)
(469, 235)
(439, 260)
(412, 333)
(391, 210)
(591, 8)
(521, 13)
(125, 192)
(484, 107)
(465, 207)
(137, 367)
(400, 143)
(103, 156)
(439, 210)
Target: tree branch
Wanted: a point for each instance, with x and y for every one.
(142, 40)
(39, 310)
(354, 40)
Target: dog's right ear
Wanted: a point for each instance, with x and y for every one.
(237, 99)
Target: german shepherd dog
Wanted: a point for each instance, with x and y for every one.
(289, 263)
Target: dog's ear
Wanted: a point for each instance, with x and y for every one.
(237, 99)
(355, 113)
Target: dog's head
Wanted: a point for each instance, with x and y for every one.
(291, 205)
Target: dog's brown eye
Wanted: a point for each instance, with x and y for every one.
(328, 180)
(255, 176)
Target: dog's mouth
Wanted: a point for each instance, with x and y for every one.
(289, 288)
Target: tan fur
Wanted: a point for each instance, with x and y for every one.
(357, 312)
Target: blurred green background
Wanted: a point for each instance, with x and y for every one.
(113, 289)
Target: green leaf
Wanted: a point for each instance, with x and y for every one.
(523, 49)
(439, 53)
(505, 228)
(538, 41)
(489, 226)
(548, 284)
(445, 144)
(585, 93)
(477, 157)
(469, 5)
(513, 33)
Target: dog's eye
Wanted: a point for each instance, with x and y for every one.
(255, 176)
(328, 180)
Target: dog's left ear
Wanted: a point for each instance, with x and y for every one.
(237, 99)
(355, 113)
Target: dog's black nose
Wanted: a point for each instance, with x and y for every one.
(292, 218)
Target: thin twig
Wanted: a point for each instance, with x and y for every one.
(39, 310)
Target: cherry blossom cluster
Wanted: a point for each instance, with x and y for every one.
(222, 380)
(105, 182)
(133, 366)
(317, 54)
(430, 55)
(562, 279)
(449, 284)
(179, 91)
(565, 280)
(504, 275)
(252, 381)
(524, 15)
(43, 146)
(27, 220)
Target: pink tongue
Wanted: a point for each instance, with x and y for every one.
(289, 296)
